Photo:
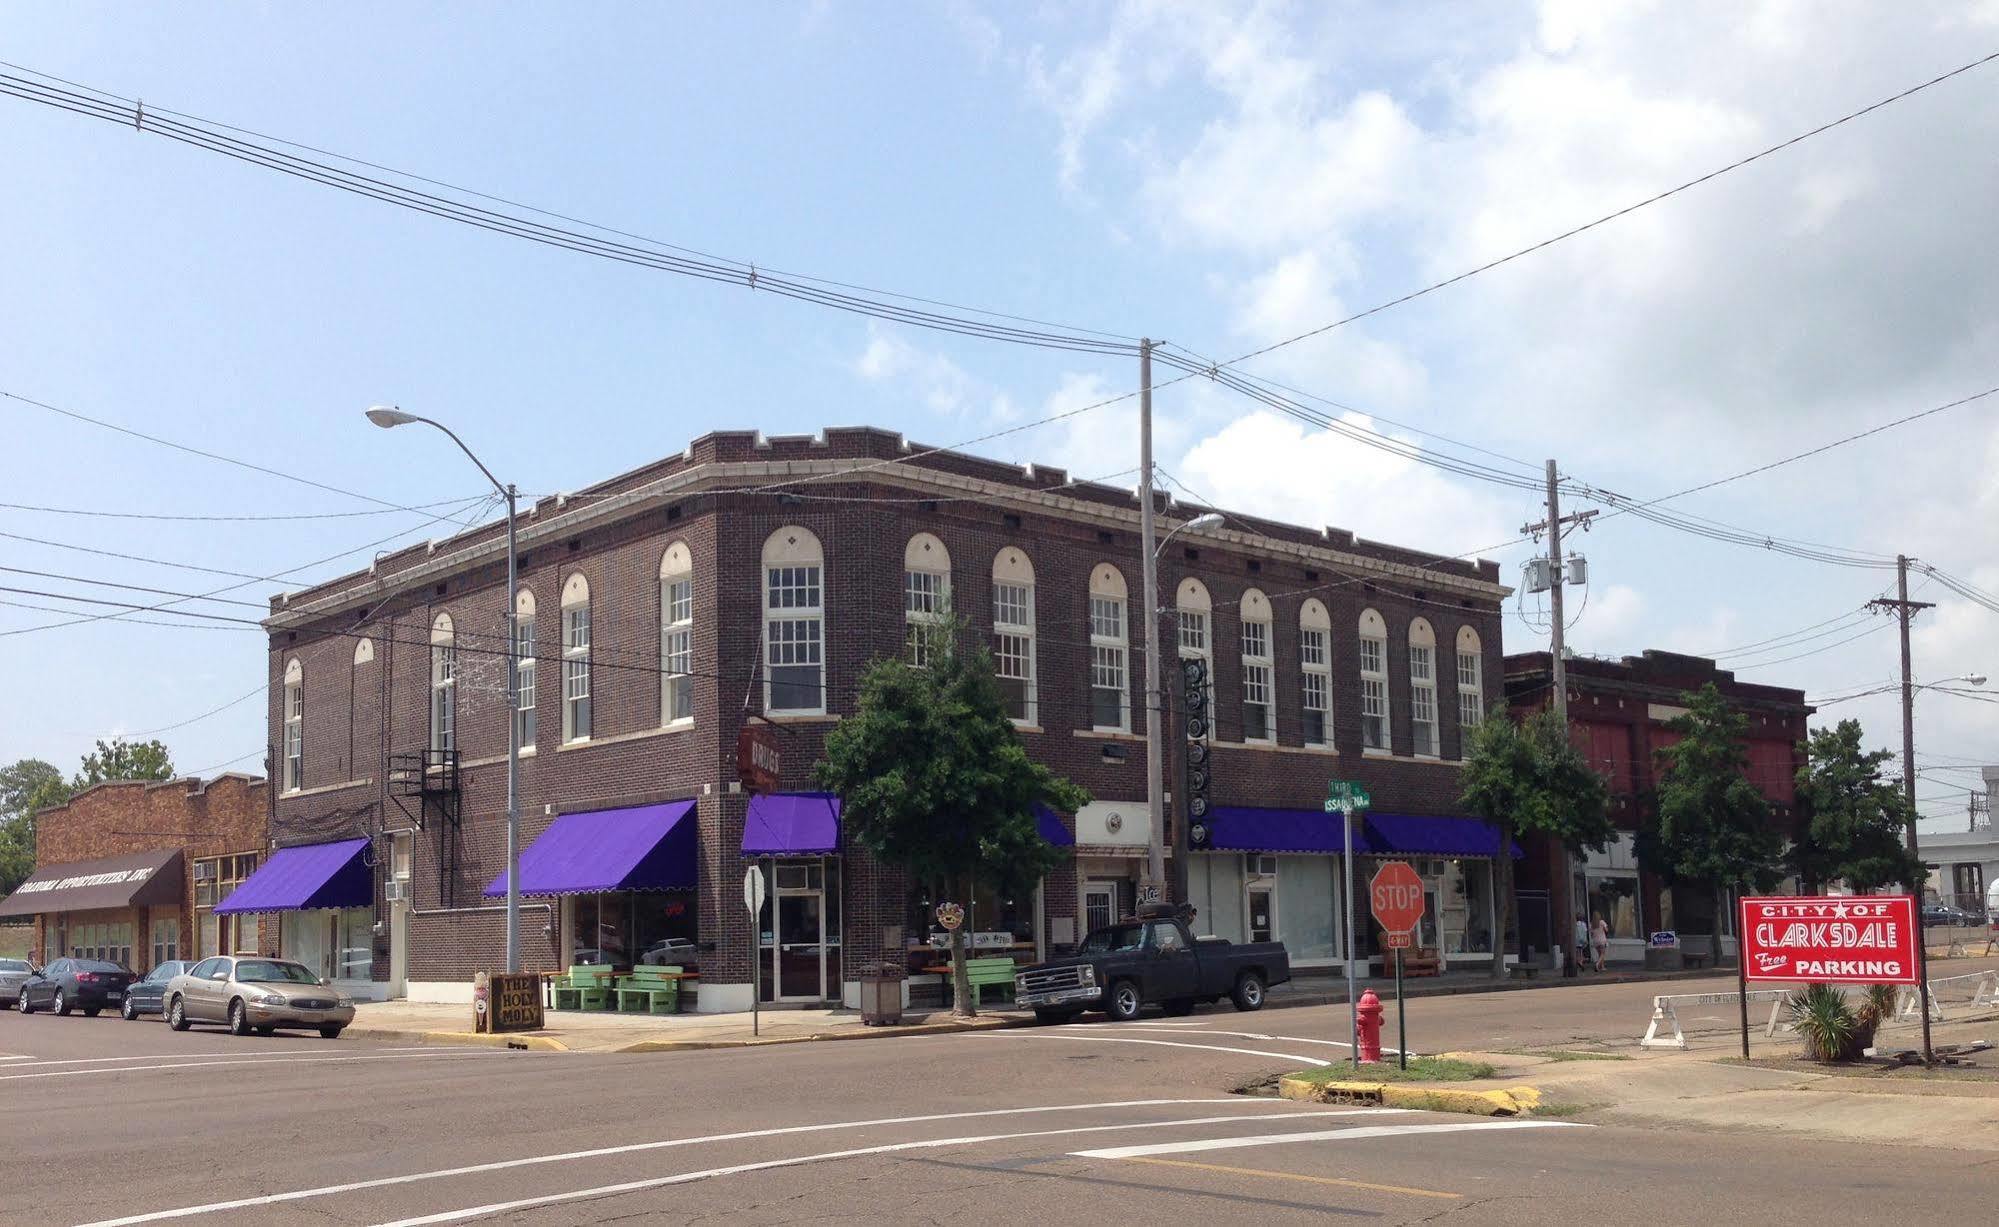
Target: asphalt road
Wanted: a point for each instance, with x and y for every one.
(107, 1121)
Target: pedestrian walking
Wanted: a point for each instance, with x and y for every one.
(1581, 942)
(1599, 940)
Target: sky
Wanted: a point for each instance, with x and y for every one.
(1216, 176)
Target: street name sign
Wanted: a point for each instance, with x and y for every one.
(1857, 939)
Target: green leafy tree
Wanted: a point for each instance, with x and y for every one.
(1529, 778)
(1856, 821)
(1713, 826)
(933, 777)
(119, 759)
(26, 787)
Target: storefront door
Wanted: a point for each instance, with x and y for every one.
(1099, 905)
(801, 945)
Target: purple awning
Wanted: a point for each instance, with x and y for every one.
(1052, 829)
(645, 847)
(792, 824)
(308, 876)
(1414, 835)
(1241, 828)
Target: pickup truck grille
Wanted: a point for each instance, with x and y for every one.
(1052, 980)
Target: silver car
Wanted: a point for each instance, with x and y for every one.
(256, 994)
(13, 974)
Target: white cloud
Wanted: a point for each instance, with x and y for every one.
(941, 384)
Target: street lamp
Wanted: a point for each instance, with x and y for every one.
(1155, 746)
(388, 416)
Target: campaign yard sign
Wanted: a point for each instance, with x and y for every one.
(1860, 939)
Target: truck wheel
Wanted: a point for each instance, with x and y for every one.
(1122, 1003)
(1248, 994)
(1048, 1017)
(1180, 1007)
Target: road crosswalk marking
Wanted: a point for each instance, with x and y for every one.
(1320, 1135)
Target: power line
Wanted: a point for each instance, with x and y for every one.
(1764, 664)
(238, 518)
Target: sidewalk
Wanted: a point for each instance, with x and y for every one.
(1316, 988)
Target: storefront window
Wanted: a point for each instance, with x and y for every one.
(1609, 889)
(1305, 906)
(166, 940)
(111, 943)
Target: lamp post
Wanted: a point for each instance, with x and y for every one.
(1155, 707)
(388, 416)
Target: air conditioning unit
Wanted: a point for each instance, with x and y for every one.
(204, 871)
(396, 891)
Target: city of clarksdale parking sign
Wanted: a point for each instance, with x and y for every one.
(1858, 939)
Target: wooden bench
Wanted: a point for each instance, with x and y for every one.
(1690, 959)
(982, 973)
(1522, 971)
(1416, 961)
(650, 990)
(586, 987)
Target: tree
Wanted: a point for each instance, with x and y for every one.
(933, 777)
(1530, 779)
(1713, 826)
(119, 759)
(1856, 822)
(26, 787)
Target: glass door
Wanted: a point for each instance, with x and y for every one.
(801, 946)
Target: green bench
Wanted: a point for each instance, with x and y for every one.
(984, 973)
(586, 987)
(650, 990)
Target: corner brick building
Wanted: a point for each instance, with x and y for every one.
(131, 870)
(752, 576)
(1618, 712)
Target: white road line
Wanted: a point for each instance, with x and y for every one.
(1284, 1039)
(244, 1058)
(670, 1143)
(656, 1182)
(1127, 1039)
(128, 1069)
(1319, 1135)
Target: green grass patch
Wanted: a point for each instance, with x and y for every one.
(1421, 1069)
(15, 940)
(1574, 1054)
(1565, 1109)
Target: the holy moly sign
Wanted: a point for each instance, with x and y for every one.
(1860, 939)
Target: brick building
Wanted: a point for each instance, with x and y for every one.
(131, 871)
(1618, 711)
(750, 575)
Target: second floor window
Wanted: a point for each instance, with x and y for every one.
(1013, 641)
(676, 635)
(1316, 681)
(1192, 616)
(1471, 687)
(576, 715)
(926, 597)
(1110, 704)
(294, 727)
(794, 624)
(1423, 689)
(1373, 681)
(1257, 724)
(443, 685)
(524, 672)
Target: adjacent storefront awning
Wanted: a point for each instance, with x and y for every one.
(309, 876)
(1049, 823)
(1411, 835)
(1241, 828)
(138, 879)
(792, 824)
(646, 847)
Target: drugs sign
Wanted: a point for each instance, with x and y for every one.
(1862, 939)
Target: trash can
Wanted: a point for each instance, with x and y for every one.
(881, 995)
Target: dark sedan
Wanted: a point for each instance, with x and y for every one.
(1947, 914)
(149, 996)
(76, 984)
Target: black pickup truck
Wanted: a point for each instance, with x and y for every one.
(1150, 960)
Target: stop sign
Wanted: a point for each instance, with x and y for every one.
(1396, 897)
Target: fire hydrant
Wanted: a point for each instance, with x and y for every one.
(1368, 1014)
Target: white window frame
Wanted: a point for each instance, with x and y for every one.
(1110, 645)
(1194, 633)
(525, 679)
(1426, 729)
(1013, 631)
(294, 756)
(676, 636)
(1471, 687)
(1315, 669)
(926, 595)
(1259, 668)
(794, 629)
(1377, 729)
(578, 706)
(443, 685)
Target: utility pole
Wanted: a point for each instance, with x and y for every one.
(1905, 609)
(1557, 527)
(1155, 747)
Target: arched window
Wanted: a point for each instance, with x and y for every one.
(1110, 647)
(1423, 688)
(1194, 610)
(926, 596)
(294, 725)
(524, 670)
(576, 658)
(1471, 687)
(1373, 681)
(1315, 663)
(794, 624)
(443, 685)
(1013, 632)
(364, 651)
(1257, 668)
(676, 634)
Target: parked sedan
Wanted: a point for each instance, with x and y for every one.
(149, 996)
(75, 984)
(13, 974)
(258, 995)
(1947, 914)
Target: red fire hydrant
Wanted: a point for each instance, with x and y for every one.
(1368, 1015)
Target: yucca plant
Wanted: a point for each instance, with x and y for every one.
(1877, 1005)
(1824, 1021)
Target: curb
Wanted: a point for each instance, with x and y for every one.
(1280, 1000)
(468, 1039)
(1512, 1101)
(863, 1033)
